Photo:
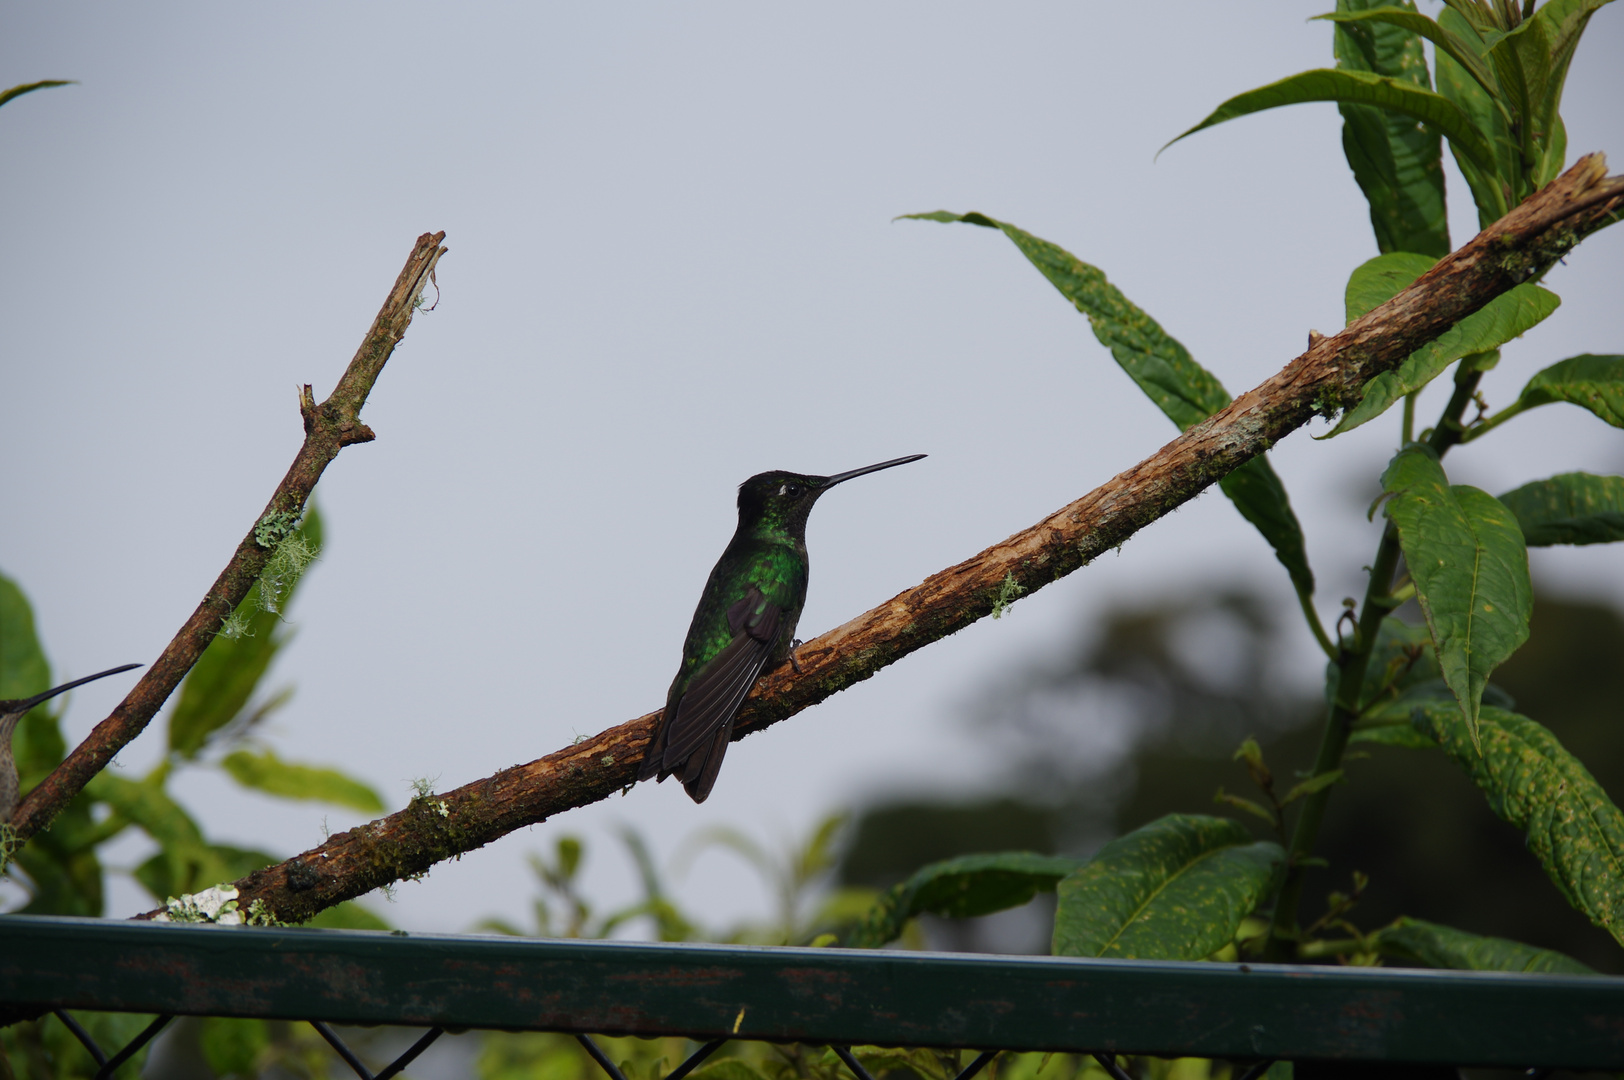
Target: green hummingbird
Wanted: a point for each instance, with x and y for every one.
(744, 624)
(13, 711)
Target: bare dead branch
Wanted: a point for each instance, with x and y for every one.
(1328, 376)
(329, 427)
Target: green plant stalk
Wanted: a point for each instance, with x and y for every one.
(1344, 706)
(1314, 624)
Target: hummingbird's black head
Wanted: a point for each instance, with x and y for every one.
(779, 502)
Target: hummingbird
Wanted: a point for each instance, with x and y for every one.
(744, 624)
(13, 711)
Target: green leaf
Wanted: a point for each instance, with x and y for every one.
(1531, 780)
(1398, 163)
(1312, 784)
(37, 745)
(268, 773)
(1445, 947)
(1507, 316)
(1176, 889)
(1465, 52)
(1402, 657)
(1376, 281)
(1358, 88)
(1531, 63)
(27, 88)
(234, 1046)
(1465, 553)
(1572, 508)
(960, 888)
(1590, 381)
(220, 684)
(1492, 185)
(1186, 392)
(1394, 722)
(348, 916)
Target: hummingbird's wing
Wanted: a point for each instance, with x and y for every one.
(699, 725)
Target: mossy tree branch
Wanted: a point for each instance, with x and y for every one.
(1328, 376)
(329, 427)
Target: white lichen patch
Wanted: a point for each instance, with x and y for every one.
(217, 904)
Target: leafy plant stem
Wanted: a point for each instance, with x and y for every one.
(1314, 624)
(1492, 422)
(1344, 707)
(1408, 433)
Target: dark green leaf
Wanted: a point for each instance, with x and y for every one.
(1531, 780)
(1491, 184)
(1532, 65)
(1402, 657)
(1357, 88)
(1256, 809)
(1590, 381)
(1314, 783)
(348, 916)
(266, 772)
(67, 876)
(1376, 281)
(37, 744)
(1572, 508)
(219, 685)
(1258, 494)
(1394, 722)
(960, 888)
(1176, 889)
(1186, 392)
(1397, 162)
(1505, 317)
(1466, 555)
(1465, 52)
(26, 88)
(233, 1046)
(1445, 947)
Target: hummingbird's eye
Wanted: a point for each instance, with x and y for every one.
(792, 490)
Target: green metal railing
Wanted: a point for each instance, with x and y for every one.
(1246, 1013)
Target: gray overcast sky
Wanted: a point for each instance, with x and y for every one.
(672, 264)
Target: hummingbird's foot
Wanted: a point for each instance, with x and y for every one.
(795, 661)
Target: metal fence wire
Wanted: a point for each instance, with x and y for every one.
(1330, 1021)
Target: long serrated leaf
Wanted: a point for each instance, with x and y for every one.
(1445, 947)
(264, 771)
(1176, 889)
(1397, 163)
(1532, 63)
(1491, 186)
(960, 888)
(1590, 381)
(1571, 508)
(1532, 781)
(1459, 49)
(1186, 392)
(1357, 88)
(1505, 317)
(1376, 281)
(1465, 552)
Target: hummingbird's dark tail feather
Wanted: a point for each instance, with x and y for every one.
(698, 781)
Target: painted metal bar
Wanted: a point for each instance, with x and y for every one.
(821, 996)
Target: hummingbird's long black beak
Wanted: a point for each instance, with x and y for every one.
(24, 706)
(840, 478)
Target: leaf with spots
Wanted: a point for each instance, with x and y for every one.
(1445, 947)
(1532, 781)
(1176, 889)
(1590, 381)
(1572, 508)
(959, 888)
(1186, 392)
(1465, 553)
